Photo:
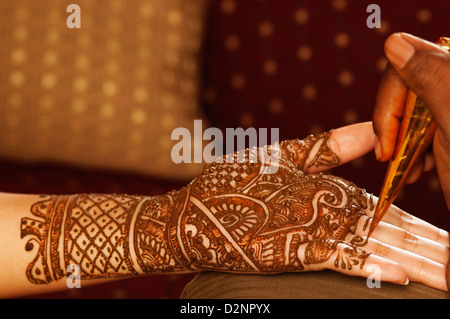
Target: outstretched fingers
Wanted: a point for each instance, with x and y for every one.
(379, 261)
(418, 268)
(396, 237)
(413, 225)
(359, 262)
(420, 248)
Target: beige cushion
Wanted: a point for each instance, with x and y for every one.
(106, 95)
(308, 285)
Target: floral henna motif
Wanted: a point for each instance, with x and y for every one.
(230, 218)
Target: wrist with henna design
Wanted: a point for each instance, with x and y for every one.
(230, 218)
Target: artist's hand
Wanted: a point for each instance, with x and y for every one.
(236, 218)
(425, 68)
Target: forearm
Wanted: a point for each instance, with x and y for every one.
(106, 236)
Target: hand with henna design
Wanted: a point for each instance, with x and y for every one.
(233, 217)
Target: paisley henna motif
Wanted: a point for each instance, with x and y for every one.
(230, 218)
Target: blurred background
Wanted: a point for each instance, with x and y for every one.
(92, 109)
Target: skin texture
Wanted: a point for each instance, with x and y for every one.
(236, 218)
(423, 67)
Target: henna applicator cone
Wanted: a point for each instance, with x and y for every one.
(415, 135)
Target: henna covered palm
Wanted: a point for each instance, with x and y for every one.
(232, 217)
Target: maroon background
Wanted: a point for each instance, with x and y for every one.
(334, 104)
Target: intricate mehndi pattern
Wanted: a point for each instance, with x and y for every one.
(230, 218)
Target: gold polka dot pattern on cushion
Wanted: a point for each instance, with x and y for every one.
(107, 95)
